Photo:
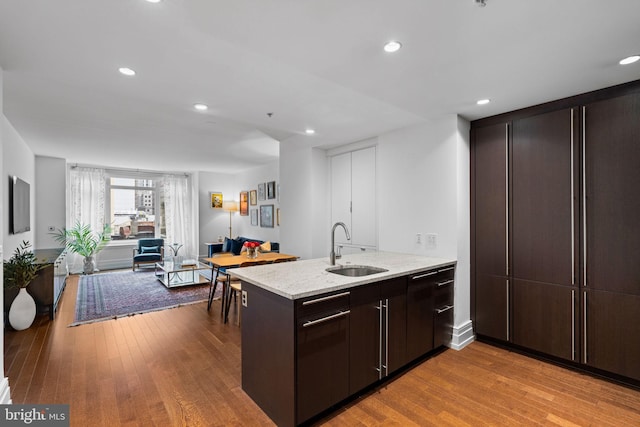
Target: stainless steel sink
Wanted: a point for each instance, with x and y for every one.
(355, 270)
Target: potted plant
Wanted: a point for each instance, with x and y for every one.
(81, 240)
(18, 272)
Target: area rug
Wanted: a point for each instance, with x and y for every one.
(105, 296)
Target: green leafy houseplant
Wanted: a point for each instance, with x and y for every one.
(81, 240)
(21, 268)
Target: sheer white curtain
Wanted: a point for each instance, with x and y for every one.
(179, 213)
(87, 188)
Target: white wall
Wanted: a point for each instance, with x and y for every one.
(215, 222)
(50, 196)
(18, 160)
(304, 199)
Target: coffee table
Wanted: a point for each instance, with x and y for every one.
(181, 273)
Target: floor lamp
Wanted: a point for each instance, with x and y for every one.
(231, 207)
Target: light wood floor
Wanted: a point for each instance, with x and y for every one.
(182, 367)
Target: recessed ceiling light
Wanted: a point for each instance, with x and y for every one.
(200, 107)
(154, 1)
(126, 71)
(309, 131)
(483, 101)
(392, 46)
(630, 60)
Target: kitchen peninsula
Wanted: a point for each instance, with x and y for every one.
(312, 338)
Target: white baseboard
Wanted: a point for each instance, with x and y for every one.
(462, 336)
(5, 395)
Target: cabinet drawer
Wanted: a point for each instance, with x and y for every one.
(313, 308)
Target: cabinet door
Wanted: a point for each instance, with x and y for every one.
(322, 365)
(612, 331)
(365, 337)
(420, 314)
(341, 193)
(394, 296)
(612, 159)
(544, 318)
(363, 196)
(490, 172)
(542, 197)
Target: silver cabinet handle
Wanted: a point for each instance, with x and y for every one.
(445, 283)
(506, 208)
(379, 368)
(442, 310)
(386, 338)
(508, 313)
(573, 250)
(422, 276)
(584, 195)
(330, 297)
(325, 319)
(573, 324)
(445, 269)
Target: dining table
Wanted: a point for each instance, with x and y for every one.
(223, 261)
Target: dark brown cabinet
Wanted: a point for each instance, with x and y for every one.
(564, 280)
(301, 357)
(322, 353)
(429, 307)
(378, 331)
(491, 222)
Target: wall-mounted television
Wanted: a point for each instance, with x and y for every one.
(20, 211)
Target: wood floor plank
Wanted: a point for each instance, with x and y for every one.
(181, 367)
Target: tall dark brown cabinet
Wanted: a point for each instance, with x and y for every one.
(611, 216)
(556, 229)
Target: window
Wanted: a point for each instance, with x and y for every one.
(134, 207)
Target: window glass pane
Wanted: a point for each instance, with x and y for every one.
(123, 181)
(132, 213)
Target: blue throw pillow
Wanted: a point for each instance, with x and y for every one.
(226, 246)
(149, 249)
(236, 246)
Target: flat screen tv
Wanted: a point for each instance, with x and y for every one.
(19, 214)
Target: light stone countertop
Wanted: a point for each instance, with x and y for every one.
(300, 279)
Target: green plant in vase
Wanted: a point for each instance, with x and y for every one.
(18, 272)
(80, 239)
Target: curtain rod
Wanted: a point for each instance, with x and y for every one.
(134, 171)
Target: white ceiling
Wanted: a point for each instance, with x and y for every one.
(312, 63)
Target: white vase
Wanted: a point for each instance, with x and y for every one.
(22, 311)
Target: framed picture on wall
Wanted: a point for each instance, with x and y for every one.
(271, 190)
(266, 216)
(244, 203)
(253, 197)
(216, 199)
(254, 217)
(261, 191)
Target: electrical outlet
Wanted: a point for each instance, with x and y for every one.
(418, 238)
(244, 298)
(432, 240)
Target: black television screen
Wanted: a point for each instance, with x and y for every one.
(19, 214)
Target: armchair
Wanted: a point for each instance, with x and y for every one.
(149, 251)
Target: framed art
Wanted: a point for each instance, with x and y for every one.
(253, 197)
(216, 200)
(271, 190)
(261, 191)
(244, 203)
(266, 216)
(254, 217)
